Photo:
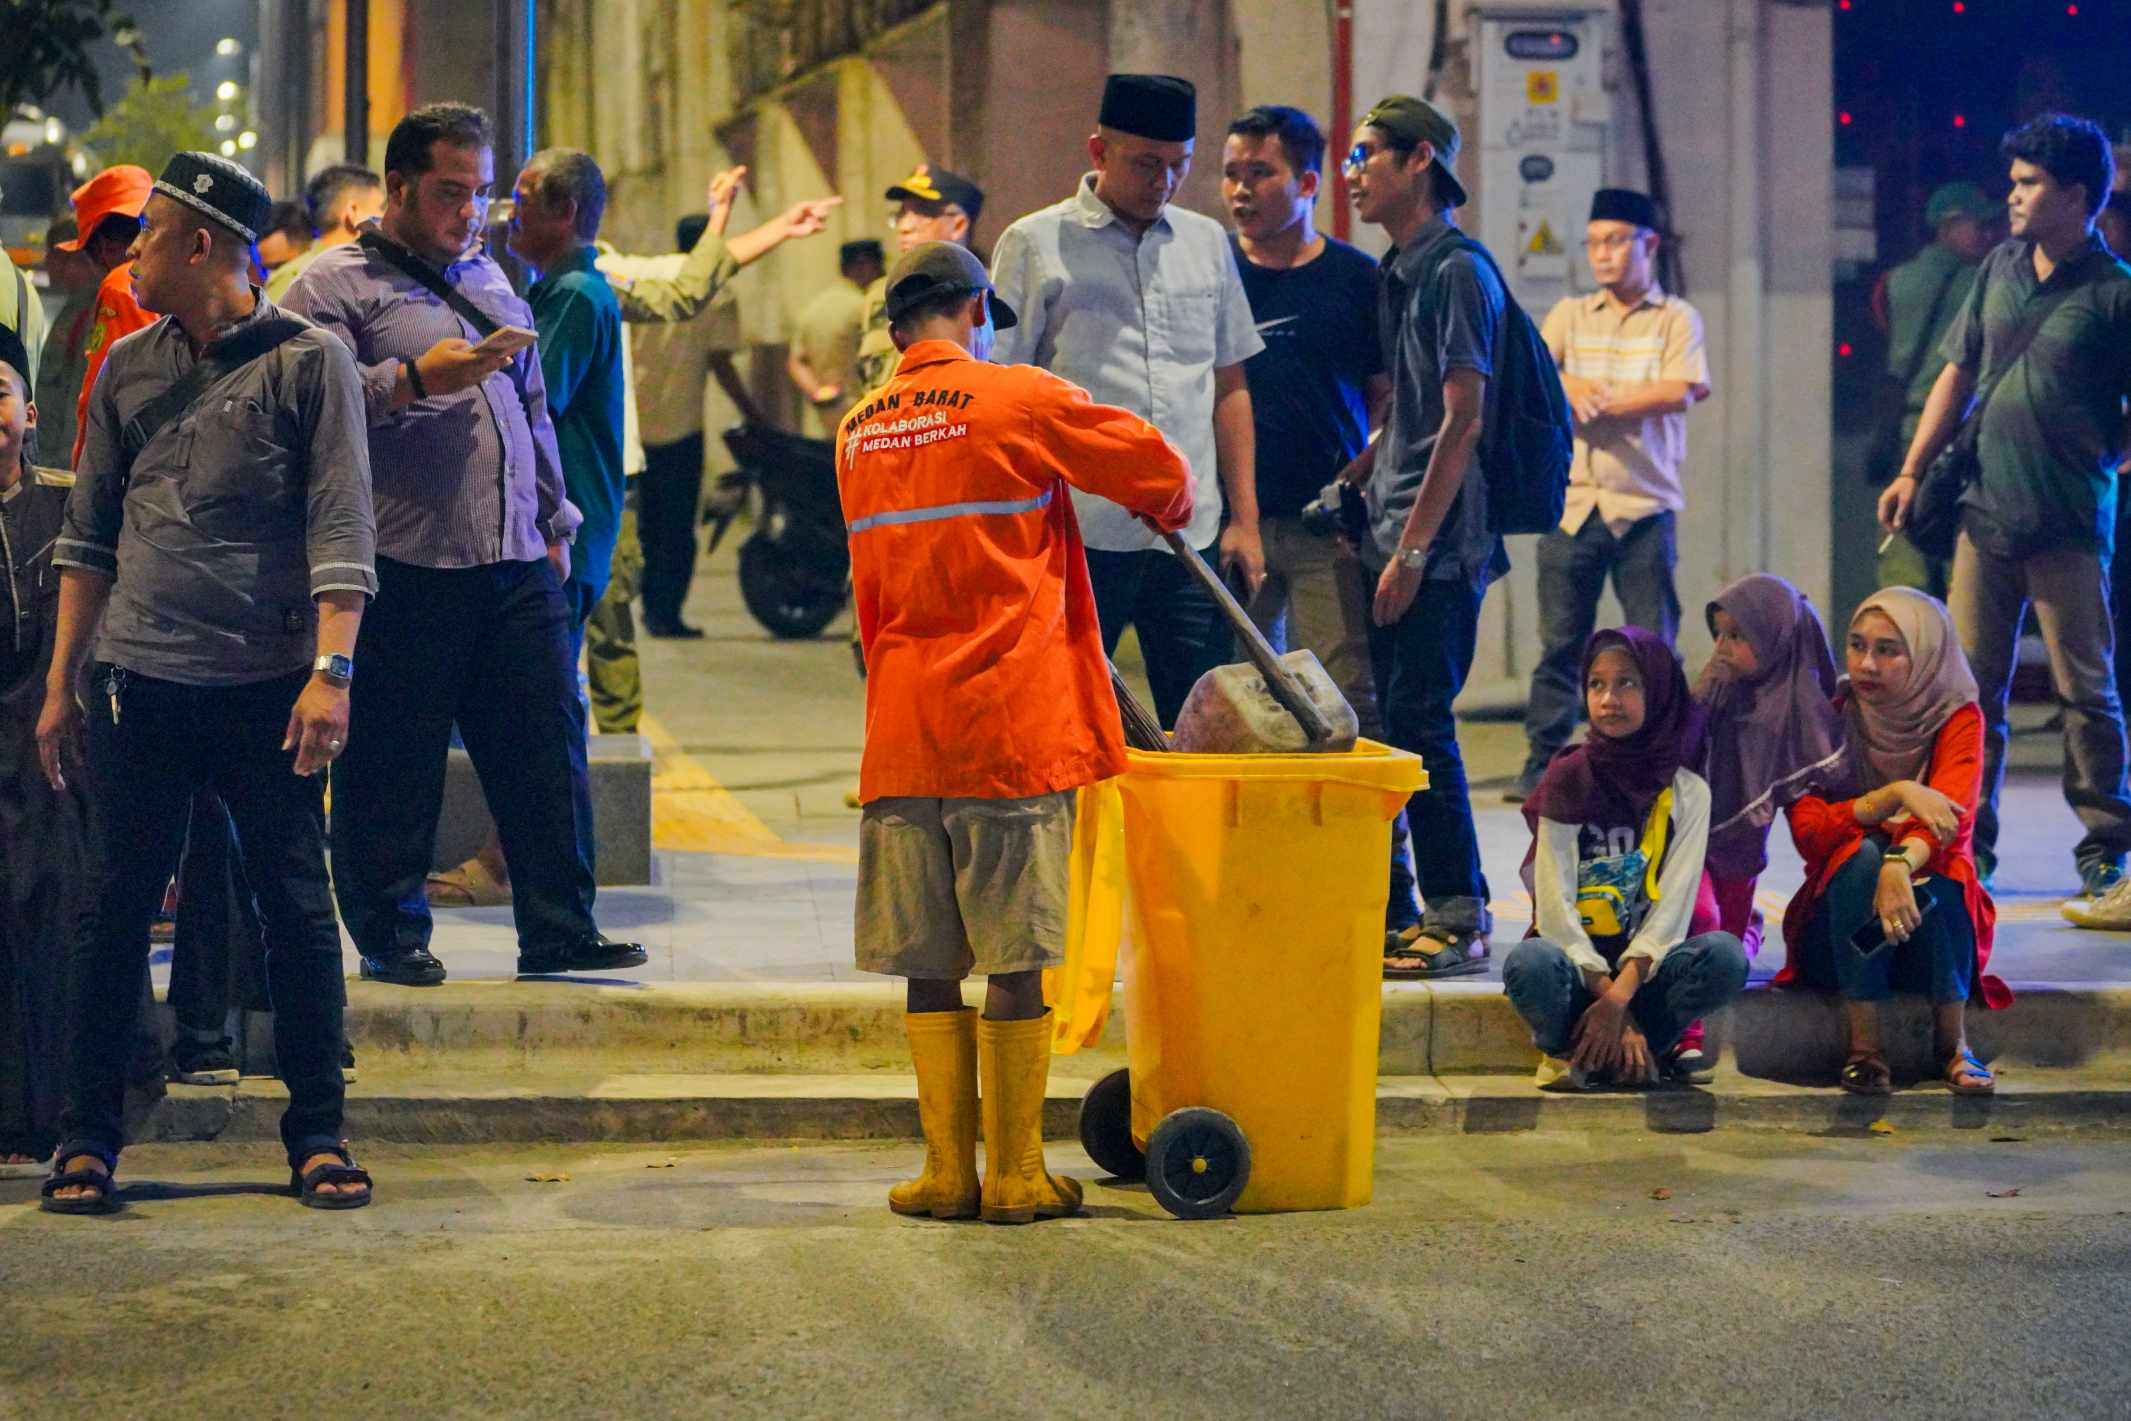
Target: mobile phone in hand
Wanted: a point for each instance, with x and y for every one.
(506, 340)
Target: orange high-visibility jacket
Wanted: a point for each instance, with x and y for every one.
(117, 315)
(985, 674)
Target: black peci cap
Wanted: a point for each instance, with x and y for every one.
(218, 189)
(1158, 106)
(1619, 204)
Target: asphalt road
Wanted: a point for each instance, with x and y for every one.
(1516, 1275)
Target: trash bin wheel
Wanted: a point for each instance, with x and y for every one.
(1197, 1162)
(1106, 1127)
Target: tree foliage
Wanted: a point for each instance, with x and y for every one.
(50, 46)
(153, 121)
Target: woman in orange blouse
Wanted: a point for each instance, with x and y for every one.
(1892, 901)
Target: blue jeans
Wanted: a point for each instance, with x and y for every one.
(1938, 961)
(1696, 978)
(1421, 665)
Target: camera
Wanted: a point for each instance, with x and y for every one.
(1339, 508)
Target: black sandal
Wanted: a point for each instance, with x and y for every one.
(106, 1198)
(346, 1172)
(1867, 1074)
(1442, 952)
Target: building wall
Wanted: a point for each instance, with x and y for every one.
(1007, 89)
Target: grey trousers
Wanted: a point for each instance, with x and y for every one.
(2069, 589)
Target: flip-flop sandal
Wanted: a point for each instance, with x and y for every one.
(1454, 956)
(470, 885)
(104, 1201)
(1966, 1064)
(346, 1172)
(1867, 1075)
(26, 1169)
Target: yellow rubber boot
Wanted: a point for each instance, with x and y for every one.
(943, 1046)
(1015, 1058)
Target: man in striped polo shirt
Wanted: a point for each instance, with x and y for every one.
(1632, 365)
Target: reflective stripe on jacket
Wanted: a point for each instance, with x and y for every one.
(985, 674)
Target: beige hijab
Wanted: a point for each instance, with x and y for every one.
(1894, 739)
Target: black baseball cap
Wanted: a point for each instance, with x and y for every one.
(941, 267)
(930, 184)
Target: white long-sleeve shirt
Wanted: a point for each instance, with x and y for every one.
(1558, 854)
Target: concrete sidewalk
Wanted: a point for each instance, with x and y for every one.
(750, 1016)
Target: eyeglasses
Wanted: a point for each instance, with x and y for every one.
(1615, 243)
(1359, 155)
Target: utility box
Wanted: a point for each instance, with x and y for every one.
(1544, 114)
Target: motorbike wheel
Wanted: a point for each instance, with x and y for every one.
(792, 596)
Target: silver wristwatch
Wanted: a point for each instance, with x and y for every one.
(337, 669)
(1412, 559)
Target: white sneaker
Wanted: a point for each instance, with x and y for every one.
(2111, 912)
(1555, 1074)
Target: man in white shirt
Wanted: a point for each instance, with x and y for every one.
(1141, 304)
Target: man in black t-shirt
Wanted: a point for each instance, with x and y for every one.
(1314, 389)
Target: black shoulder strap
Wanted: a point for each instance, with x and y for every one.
(383, 247)
(2032, 316)
(225, 357)
(1924, 344)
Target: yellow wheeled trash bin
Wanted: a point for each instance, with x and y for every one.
(1253, 972)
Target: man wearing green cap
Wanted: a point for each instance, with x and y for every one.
(1922, 295)
(1431, 552)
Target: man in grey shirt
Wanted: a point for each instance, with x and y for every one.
(1440, 310)
(471, 625)
(1140, 303)
(220, 530)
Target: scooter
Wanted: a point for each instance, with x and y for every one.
(795, 566)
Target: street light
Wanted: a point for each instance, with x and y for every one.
(225, 122)
(226, 90)
(227, 46)
(229, 149)
(247, 140)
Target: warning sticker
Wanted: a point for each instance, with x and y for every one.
(1542, 243)
(1542, 86)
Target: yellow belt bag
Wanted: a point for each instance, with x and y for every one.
(1607, 893)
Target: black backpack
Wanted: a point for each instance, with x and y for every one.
(1526, 448)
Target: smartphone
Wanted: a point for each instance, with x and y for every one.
(507, 340)
(1871, 937)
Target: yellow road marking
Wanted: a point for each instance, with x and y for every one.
(692, 813)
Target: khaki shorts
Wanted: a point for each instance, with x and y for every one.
(951, 887)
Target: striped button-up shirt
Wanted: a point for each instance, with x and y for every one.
(461, 480)
(1627, 469)
(236, 514)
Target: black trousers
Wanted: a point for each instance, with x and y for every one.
(487, 648)
(216, 954)
(43, 863)
(147, 760)
(666, 498)
(1181, 632)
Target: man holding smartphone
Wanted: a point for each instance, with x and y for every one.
(471, 624)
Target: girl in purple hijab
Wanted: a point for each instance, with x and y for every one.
(1773, 736)
(1615, 971)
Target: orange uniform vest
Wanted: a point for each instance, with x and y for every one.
(117, 315)
(985, 674)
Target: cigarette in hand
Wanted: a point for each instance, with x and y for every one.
(1886, 543)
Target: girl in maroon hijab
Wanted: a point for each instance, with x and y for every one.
(1614, 972)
